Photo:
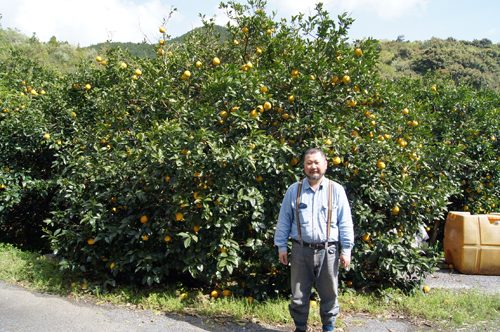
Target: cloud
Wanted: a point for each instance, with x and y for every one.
(385, 9)
(491, 33)
(90, 21)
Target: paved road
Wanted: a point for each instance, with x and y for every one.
(26, 311)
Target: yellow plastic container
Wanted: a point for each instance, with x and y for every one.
(472, 242)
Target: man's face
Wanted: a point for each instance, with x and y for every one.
(314, 166)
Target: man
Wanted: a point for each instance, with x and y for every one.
(315, 248)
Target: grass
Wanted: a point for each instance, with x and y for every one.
(441, 308)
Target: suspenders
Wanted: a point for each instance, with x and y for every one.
(330, 199)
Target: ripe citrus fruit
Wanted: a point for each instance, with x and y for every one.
(144, 219)
(179, 216)
(168, 238)
(226, 292)
(216, 61)
(214, 293)
(90, 241)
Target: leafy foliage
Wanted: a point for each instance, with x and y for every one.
(177, 164)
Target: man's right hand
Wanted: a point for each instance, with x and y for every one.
(284, 257)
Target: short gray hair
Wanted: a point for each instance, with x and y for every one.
(313, 151)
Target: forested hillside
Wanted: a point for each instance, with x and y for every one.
(477, 61)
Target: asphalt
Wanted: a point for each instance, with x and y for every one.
(28, 311)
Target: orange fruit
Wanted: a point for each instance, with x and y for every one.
(179, 216)
(216, 61)
(250, 299)
(426, 289)
(395, 210)
(358, 52)
(144, 219)
(226, 292)
(214, 293)
(90, 241)
(168, 238)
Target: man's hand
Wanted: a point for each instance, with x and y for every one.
(344, 261)
(284, 257)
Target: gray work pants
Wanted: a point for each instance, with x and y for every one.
(308, 266)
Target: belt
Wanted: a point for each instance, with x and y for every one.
(316, 245)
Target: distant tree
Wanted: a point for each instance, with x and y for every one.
(53, 40)
(401, 38)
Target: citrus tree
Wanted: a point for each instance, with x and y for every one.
(177, 164)
(27, 150)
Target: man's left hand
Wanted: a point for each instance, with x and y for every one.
(345, 261)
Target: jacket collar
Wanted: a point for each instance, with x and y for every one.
(308, 186)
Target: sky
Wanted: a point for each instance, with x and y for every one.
(90, 22)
